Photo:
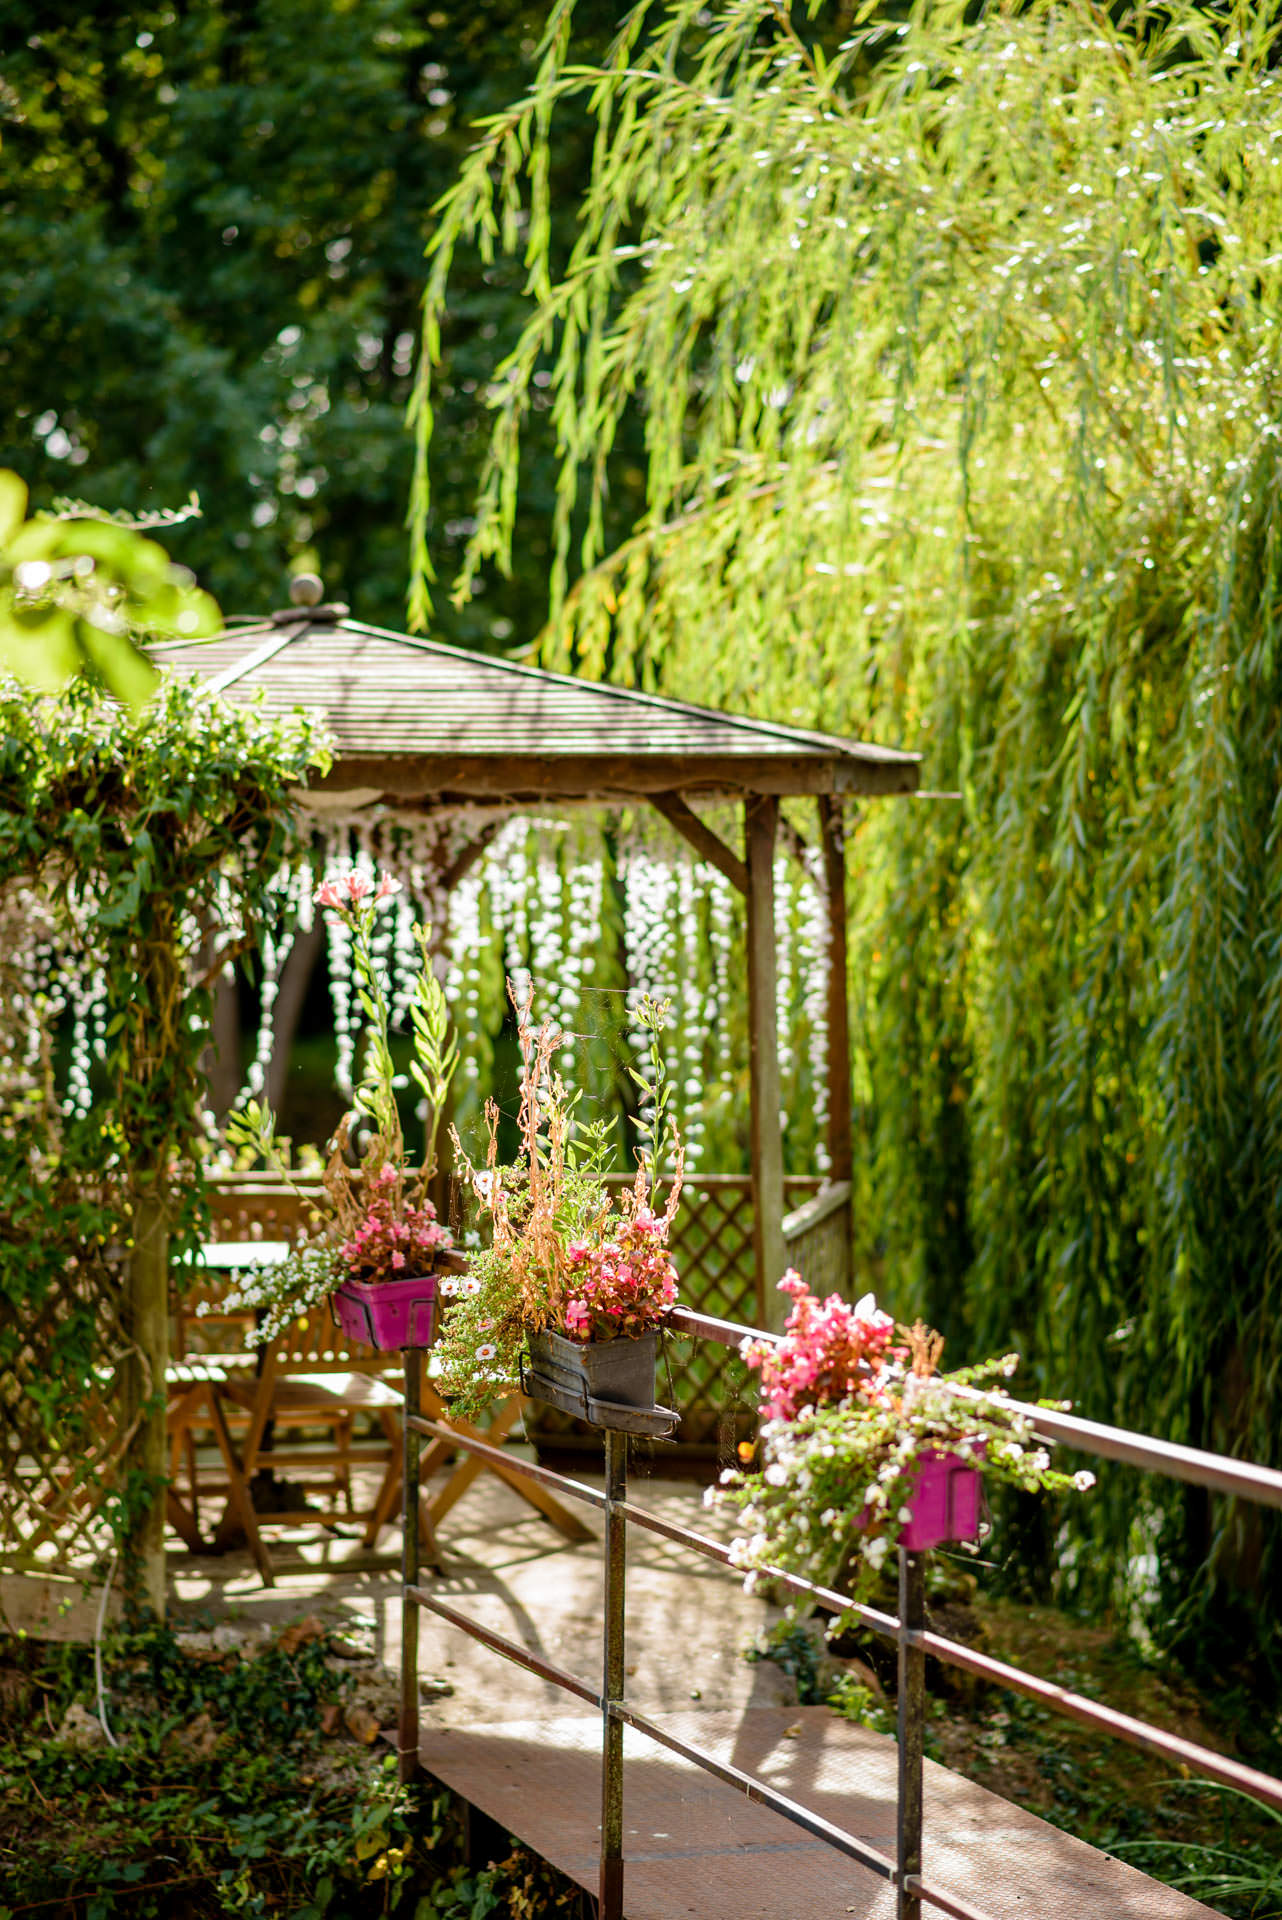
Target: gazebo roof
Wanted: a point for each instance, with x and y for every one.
(414, 719)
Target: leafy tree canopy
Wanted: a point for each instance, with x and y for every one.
(214, 224)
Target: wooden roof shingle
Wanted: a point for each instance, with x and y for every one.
(414, 718)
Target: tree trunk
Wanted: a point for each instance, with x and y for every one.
(148, 1325)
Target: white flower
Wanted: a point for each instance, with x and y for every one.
(710, 1496)
(875, 1551)
(750, 1583)
(775, 1475)
(486, 1352)
(727, 1475)
(829, 1517)
(1083, 1481)
(905, 1516)
(449, 1287)
(1040, 1460)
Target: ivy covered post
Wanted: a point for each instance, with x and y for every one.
(154, 838)
(147, 1322)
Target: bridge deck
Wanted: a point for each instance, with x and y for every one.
(696, 1847)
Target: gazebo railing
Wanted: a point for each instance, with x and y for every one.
(816, 1238)
(905, 1872)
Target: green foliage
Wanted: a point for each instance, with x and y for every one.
(1239, 1878)
(214, 226)
(224, 1797)
(954, 344)
(139, 831)
(73, 590)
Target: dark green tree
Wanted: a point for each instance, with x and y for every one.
(214, 222)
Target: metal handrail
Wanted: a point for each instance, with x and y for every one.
(909, 1631)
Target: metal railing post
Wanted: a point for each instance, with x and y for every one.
(912, 1729)
(616, 1492)
(407, 1720)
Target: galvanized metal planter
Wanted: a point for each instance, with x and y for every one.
(608, 1383)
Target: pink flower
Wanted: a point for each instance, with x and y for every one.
(398, 1260)
(386, 887)
(327, 895)
(577, 1252)
(386, 1176)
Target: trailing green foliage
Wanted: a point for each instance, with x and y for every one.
(954, 344)
(150, 841)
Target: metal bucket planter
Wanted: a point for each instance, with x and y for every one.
(945, 1502)
(608, 1383)
(387, 1314)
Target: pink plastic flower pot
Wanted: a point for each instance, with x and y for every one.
(944, 1502)
(387, 1314)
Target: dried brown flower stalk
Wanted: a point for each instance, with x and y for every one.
(925, 1345)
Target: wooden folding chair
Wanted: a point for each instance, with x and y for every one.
(310, 1379)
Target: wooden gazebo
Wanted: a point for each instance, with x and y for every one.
(421, 727)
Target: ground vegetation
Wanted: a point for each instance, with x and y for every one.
(225, 1772)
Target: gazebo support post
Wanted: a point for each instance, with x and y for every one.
(148, 1324)
(761, 819)
(841, 1164)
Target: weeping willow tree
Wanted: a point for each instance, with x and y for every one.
(952, 341)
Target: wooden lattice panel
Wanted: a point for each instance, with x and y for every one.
(711, 1247)
(62, 1439)
(817, 1240)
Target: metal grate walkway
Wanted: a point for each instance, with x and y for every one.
(697, 1847)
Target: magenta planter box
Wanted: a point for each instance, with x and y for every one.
(387, 1314)
(944, 1503)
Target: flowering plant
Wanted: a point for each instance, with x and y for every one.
(563, 1252)
(851, 1415)
(381, 1224)
(620, 1287)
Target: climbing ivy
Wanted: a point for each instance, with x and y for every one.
(150, 839)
